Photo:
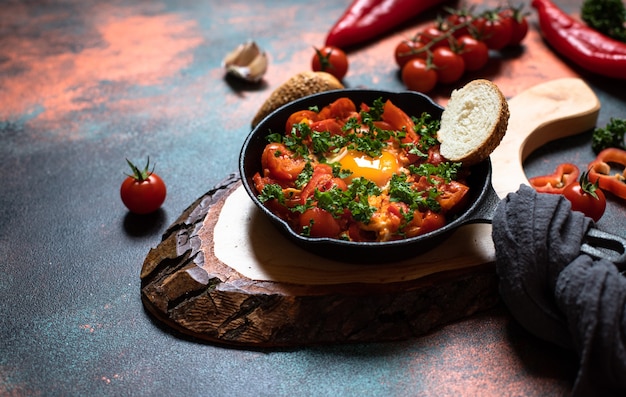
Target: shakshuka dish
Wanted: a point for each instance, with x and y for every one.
(366, 173)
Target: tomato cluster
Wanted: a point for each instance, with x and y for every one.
(459, 42)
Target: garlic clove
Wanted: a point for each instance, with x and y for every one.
(246, 62)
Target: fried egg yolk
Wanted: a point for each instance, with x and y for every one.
(378, 169)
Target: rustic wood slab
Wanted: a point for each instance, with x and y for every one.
(224, 274)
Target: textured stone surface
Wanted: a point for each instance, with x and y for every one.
(86, 84)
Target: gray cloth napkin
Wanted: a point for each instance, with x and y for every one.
(592, 296)
(559, 294)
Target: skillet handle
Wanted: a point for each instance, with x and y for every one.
(600, 244)
(484, 213)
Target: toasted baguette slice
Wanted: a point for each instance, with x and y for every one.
(473, 123)
(298, 86)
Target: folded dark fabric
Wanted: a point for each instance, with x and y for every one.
(559, 294)
(592, 296)
(535, 238)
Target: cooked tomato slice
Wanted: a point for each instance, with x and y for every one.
(280, 163)
(301, 116)
(342, 108)
(399, 120)
(432, 221)
(453, 196)
(322, 180)
(320, 223)
(330, 125)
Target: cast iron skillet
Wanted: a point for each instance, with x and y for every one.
(482, 204)
(483, 198)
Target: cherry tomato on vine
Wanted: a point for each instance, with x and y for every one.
(586, 197)
(418, 75)
(143, 192)
(519, 25)
(459, 20)
(494, 31)
(433, 33)
(407, 50)
(330, 60)
(449, 66)
(474, 52)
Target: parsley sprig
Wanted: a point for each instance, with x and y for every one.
(401, 189)
(354, 199)
(333, 200)
(446, 170)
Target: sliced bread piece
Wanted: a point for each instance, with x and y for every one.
(473, 123)
(298, 86)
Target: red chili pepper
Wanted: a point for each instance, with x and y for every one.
(565, 175)
(600, 169)
(579, 43)
(366, 19)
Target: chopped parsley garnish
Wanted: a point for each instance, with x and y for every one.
(606, 16)
(360, 189)
(367, 144)
(445, 170)
(400, 189)
(611, 135)
(272, 191)
(375, 111)
(352, 124)
(414, 149)
(274, 138)
(427, 128)
(305, 175)
(355, 199)
(370, 140)
(321, 142)
(340, 173)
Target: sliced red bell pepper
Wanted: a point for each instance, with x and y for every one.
(564, 175)
(367, 19)
(600, 170)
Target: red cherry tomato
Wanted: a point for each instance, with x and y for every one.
(418, 76)
(586, 198)
(407, 50)
(330, 60)
(494, 31)
(143, 192)
(519, 25)
(433, 33)
(474, 52)
(449, 66)
(457, 20)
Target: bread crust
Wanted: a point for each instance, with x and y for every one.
(298, 86)
(494, 135)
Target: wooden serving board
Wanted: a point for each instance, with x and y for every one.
(223, 273)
